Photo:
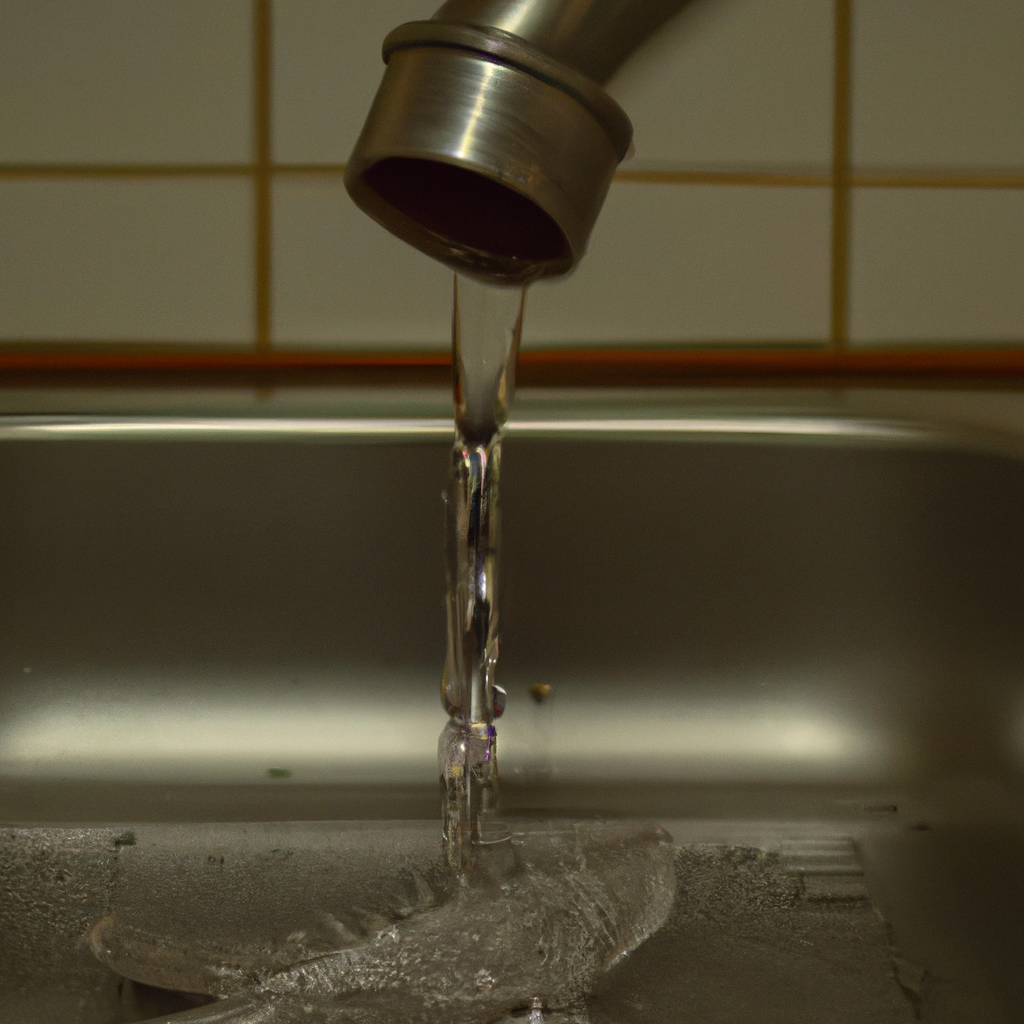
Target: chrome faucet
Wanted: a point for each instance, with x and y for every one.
(491, 143)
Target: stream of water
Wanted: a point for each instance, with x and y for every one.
(486, 327)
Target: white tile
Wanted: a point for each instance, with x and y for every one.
(156, 260)
(735, 83)
(684, 263)
(327, 66)
(938, 83)
(112, 81)
(942, 265)
(342, 280)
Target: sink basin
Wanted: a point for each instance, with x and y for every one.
(759, 625)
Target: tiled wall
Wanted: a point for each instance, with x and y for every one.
(170, 171)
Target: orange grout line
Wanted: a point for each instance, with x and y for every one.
(840, 261)
(862, 179)
(819, 366)
(138, 352)
(262, 176)
(936, 179)
(668, 177)
(336, 170)
(781, 179)
(20, 171)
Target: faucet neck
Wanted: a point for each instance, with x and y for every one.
(593, 36)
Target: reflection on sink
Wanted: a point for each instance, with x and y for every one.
(840, 612)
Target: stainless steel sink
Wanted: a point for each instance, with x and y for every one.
(758, 621)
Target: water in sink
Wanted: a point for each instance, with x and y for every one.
(364, 923)
(395, 939)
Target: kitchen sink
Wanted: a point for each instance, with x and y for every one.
(784, 624)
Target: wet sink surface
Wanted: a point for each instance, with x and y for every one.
(824, 635)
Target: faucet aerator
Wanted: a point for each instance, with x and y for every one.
(485, 152)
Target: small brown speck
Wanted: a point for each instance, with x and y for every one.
(540, 692)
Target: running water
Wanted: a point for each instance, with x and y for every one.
(486, 328)
(550, 905)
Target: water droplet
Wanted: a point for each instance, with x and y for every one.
(500, 700)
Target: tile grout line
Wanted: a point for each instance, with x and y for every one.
(262, 171)
(840, 231)
(16, 172)
(908, 179)
(936, 179)
(696, 177)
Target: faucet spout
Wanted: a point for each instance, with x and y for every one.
(491, 143)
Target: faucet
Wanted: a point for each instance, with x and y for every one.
(491, 143)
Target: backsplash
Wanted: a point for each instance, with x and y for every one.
(170, 172)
